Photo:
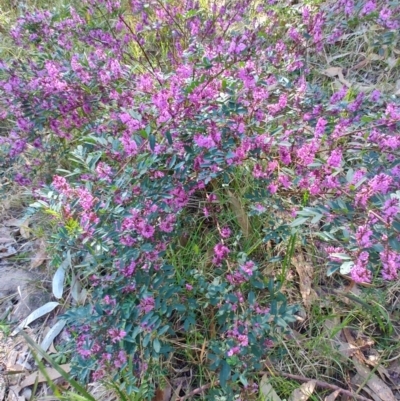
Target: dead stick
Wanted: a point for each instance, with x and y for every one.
(318, 383)
(197, 391)
(322, 384)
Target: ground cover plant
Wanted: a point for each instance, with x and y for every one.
(189, 153)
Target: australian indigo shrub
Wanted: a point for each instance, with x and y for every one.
(155, 102)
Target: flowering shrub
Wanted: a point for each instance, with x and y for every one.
(162, 102)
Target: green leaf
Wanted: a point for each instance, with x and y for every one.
(146, 340)
(316, 219)
(281, 322)
(152, 141)
(332, 269)
(298, 222)
(156, 345)
(224, 374)
(342, 256)
(346, 267)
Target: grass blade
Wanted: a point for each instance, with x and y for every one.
(78, 387)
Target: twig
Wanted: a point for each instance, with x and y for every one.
(141, 48)
(318, 383)
(197, 391)
(322, 384)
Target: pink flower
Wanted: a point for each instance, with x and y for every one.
(368, 8)
(363, 236)
(147, 231)
(116, 335)
(220, 253)
(204, 141)
(380, 183)
(360, 273)
(86, 199)
(147, 304)
(272, 188)
(225, 232)
(390, 209)
(390, 264)
(335, 158)
(121, 359)
(61, 185)
(248, 267)
(104, 171)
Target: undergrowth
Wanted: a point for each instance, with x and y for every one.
(222, 182)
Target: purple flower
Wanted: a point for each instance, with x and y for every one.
(147, 304)
(368, 8)
(390, 209)
(104, 171)
(335, 158)
(121, 359)
(248, 267)
(86, 199)
(360, 273)
(363, 236)
(390, 264)
(375, 96)
(225, 232)
(146, 230)
(320, 128)
(116, 335)
(380, 183)
(220, 253)
(385, 14)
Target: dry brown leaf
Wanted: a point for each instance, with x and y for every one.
(332, 71)
(13, 392)
(52, 349)
(5, 236)
(52, 373)
(175, 396)
(336, 72)
(267, 391)
(305, 272)
(25, 230)
(333, 396)
(13, 223)
(361, 64)
(6, 251)
(240, 214)
(397, 87)
(164, 394)
(358, 381)
(22, 224)
(203, 351)
(304, 392)
(40, 256)
(2, 388)
(377, 385)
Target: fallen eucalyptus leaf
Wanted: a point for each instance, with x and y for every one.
(240, 214)
(267, 391)
(36, 314)
(376, 384)
(40, 256)
(59, 276)
(304, 392)
(332, 396)
(51, 335)
(6, 251)
(51, 372)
